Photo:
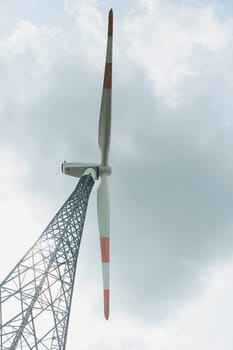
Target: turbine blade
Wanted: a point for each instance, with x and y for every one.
(103, 210)
(105, 109)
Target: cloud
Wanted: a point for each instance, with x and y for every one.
(204, 322)
(27, 36)
(90, 25)
(173, 191)
(27, 56)
(171, 155)
(169, 40)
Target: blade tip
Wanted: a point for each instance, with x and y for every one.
(106, 303)
(110, 22)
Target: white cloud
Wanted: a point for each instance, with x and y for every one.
(168, 40)
(203, 323)
(28, 55)
(209, 31)
(172, 195)
(19, 223)
(26, 36)
(90, 27)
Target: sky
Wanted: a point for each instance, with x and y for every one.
(171, 154)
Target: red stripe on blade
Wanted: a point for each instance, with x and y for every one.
(106, 303)
(110, 23)
(105, 249)
(108, 76)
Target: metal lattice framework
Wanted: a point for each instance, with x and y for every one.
(35, 298)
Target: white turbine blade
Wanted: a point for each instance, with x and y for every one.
(105, 109)
(103, 210)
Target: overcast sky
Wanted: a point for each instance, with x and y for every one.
(171, 153)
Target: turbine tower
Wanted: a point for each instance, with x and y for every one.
(35, 298)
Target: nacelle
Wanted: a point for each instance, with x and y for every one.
(78, 169)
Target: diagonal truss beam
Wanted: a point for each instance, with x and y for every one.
(35, 298)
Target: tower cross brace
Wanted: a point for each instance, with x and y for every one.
(35, 298)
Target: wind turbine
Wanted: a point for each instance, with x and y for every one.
(36, 296)
(102, 170)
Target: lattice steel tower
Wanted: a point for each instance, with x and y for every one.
(35, 298)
